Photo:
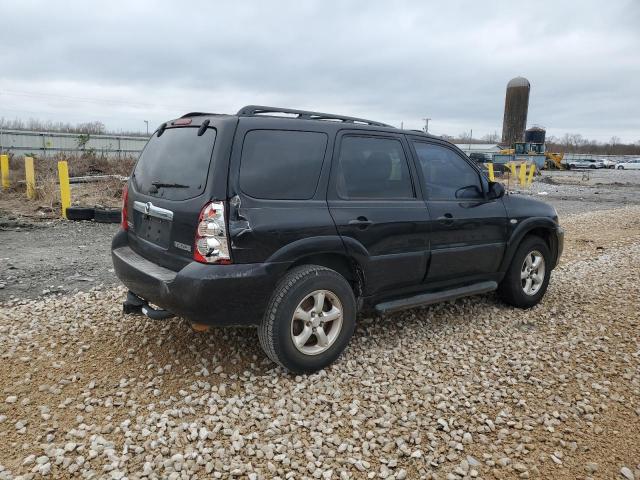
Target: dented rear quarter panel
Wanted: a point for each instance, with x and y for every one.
(262, 230)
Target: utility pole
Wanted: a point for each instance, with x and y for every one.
(146, 122)
(426, 125)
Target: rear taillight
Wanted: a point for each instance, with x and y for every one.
(125, 201)
(211, 245)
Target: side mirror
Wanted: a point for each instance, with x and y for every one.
(472, 192)
(496, 190)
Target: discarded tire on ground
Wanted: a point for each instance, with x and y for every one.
(80, 213)
(109, 215)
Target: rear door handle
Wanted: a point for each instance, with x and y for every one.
(360, 222)
(446, 219)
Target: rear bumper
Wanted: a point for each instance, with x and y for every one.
(209, 294)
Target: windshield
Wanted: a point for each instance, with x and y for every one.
(175, 165)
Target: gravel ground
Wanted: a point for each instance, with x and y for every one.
(469, 388)
(579, 191)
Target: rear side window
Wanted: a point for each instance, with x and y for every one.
(447, 176)
(175, 165)
(281, 164)
(373, 168)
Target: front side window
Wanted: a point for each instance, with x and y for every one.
(373, 168)
(281, 164)
(447, 176)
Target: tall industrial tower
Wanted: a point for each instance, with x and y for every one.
(516, 106)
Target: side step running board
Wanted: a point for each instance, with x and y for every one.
(435, 297)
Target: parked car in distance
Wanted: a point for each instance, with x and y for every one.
(585, 163)
(293, 221)
(633, 164)
(480, 158)
(609, 163)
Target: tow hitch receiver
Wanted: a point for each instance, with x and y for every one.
(137, 306)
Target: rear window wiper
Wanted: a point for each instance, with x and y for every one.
(168, 185)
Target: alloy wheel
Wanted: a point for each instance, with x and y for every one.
(316, 322)
(532, 272)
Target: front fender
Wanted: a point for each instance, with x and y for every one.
(525, 227)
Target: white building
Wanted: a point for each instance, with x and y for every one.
(489, 148)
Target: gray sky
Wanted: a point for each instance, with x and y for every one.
(123, 62)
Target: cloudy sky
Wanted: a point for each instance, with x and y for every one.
(123, 62)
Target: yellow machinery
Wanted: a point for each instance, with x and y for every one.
(554, 161)
(536, 153)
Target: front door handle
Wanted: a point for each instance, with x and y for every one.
(360, 222)
(446, 219)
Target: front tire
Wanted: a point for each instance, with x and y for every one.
(527, 278)
(309, 320)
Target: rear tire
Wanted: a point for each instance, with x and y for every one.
(296, 331)
(108, 215)
(524, 285)
(80, 213)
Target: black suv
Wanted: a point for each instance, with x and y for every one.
(293, 221)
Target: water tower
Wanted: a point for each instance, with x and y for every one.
(516, 105)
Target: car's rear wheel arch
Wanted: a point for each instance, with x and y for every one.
(342, 264)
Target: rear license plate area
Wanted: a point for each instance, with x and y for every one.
(154, 230)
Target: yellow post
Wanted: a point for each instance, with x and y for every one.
(531, 171)
(30, 177)
(65, 190)
(523, 173)
(490, 168)
(4, 170)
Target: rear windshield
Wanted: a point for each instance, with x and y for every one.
(175, 165)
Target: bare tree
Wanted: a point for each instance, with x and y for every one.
(491, 137)
(35, 125)
(464, 137)
(576, 143)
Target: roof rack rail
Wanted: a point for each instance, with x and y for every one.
(256, 110)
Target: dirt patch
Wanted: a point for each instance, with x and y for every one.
(53, 257)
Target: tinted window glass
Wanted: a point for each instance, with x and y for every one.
(281, 165)
(177, 162)
(447, 175)
(373, 168)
